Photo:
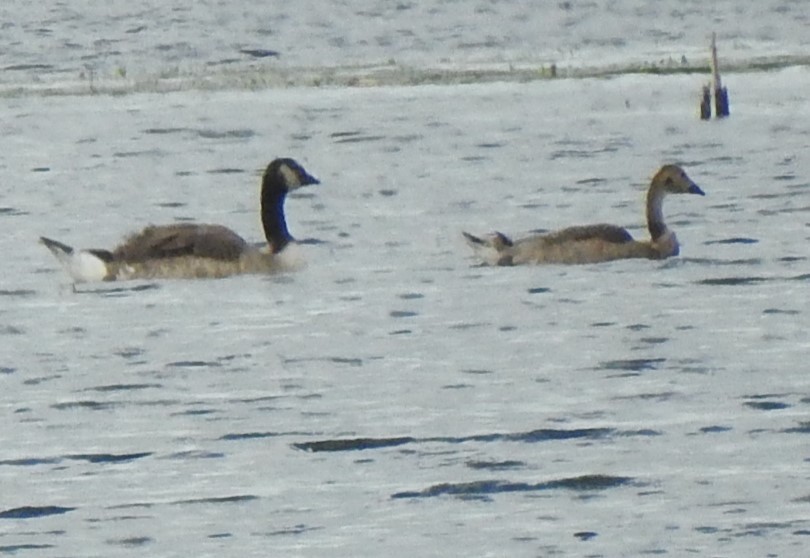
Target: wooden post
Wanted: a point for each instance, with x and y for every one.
(720, 92)
(706, 103)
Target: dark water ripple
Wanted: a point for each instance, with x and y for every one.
(633, 365)
(657, 396)
(495, 465)
(250, 436)
(789, 312)
(234, 499)
(802, 428)
(147, 153)
(117, 292)
(226, 134)
(171, 205)
(538, 290)
(750, 280)
(108, 457)
(12, 211)
(260, 52)
(734, 240)
(732, 281)
(22, 67)
(534, 436)
(355, 137)
(196, 454)
(31, 512)
(584, 483)
(586, 535)
(402, 314)
(13, 548)
(654, 340)
(592, 181)
(123, 387)
(89, 457)
(766, 405)
(354, 444)
(299, 529)
(225, 170)
(28, 462)
(162, 131)
(217, 500)
(335, 360)
(193, 364)
(715, 429)
(86, 404)
(131, 542)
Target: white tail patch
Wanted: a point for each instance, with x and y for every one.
(486, 249)
(82, 266)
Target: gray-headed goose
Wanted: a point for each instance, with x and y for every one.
(594, 243)
(195, 251)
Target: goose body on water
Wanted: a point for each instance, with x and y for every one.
(594, 243)
(196, 251)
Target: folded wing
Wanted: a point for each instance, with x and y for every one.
(184, 239)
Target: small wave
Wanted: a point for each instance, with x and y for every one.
(732, 281)
(108, 457)
(131, 542)
(496, 465)
(218, 500)
(13, 548)
(584, 483)
(734, 240)
(633, 365)
(355, 444)
(30, 461)
(766, 405)
(802, 428)
(530, 437)
(30, 512)
(85, 404)
(249, 436)
(193, 364)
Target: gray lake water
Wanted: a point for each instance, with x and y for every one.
(133, 44)
(395, 398)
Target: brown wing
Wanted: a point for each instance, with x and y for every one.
(184, 239)
(607, 233)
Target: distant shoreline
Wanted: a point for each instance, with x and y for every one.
(380, 75)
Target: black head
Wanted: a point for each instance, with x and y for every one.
(286, 174)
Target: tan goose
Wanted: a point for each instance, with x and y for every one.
(195, 251)
(594, 243)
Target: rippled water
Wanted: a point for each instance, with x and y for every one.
(394, 398)
(125, 45)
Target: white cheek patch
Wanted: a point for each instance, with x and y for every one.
(291, 178)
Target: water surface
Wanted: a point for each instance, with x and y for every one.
(394, 397)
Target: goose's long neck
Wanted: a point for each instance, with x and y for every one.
(273, 221)
(655, 214)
